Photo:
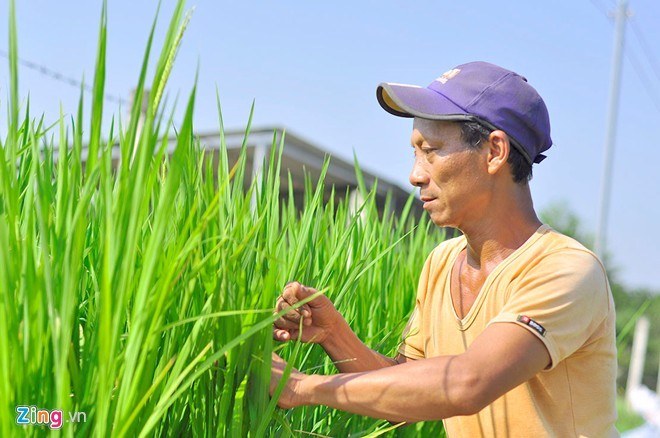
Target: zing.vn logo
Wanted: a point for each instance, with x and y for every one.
(52, 419)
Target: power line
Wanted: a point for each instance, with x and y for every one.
(646, 82)
(644, 79)
(600, 8)
(621, 16)
(646, 49)
(65, 79)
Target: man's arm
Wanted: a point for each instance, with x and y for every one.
(351, 355)
(501, 358)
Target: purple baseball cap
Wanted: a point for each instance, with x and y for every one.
(481, 92)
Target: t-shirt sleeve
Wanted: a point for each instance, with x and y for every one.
(412, 344)
(561, 300)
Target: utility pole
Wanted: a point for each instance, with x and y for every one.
(615, 87)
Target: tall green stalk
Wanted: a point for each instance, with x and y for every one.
(137, 285)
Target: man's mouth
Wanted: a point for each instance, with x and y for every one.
(426, 200)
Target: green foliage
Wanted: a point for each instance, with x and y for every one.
(140, 291)
(630, 305)
(627, 419)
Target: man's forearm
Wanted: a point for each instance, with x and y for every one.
(414, 391)
(351, 355)
(501, 358)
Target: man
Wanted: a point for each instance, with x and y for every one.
(513, 330)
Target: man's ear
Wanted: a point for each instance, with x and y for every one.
(499, 147)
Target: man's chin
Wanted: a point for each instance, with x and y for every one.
(439, 220)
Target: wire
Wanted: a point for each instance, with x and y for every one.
(630, 56)
(65, 79)
(600, 8)
(647, 83)
(645, 47)
(643, 78)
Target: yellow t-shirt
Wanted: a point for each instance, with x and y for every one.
(558, 290)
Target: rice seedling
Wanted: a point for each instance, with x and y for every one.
(136, 294)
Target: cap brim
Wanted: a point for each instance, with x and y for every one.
(414, 101)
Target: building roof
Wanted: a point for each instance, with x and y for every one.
(298, 157)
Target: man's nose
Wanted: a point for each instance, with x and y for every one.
(418, 175)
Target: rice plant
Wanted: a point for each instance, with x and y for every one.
(136, 293)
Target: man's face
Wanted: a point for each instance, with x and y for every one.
(452, 178)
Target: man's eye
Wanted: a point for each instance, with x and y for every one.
(423, 151)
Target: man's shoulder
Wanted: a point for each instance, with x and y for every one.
(562, 260)
(556, 244)
(557, 240)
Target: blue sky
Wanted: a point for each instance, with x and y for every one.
(313, 68)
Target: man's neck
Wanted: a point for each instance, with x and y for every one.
(501, 230)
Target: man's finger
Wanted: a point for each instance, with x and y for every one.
(292, 318)
(281, 303)
(281, 335)
(285, 335)
(294, 292)
(285, 324)
(293, 315)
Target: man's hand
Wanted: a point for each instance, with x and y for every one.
(324, 325)
(291, 395)
(319, 315)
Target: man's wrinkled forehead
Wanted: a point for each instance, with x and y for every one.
(434, 125)
(434, 129)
